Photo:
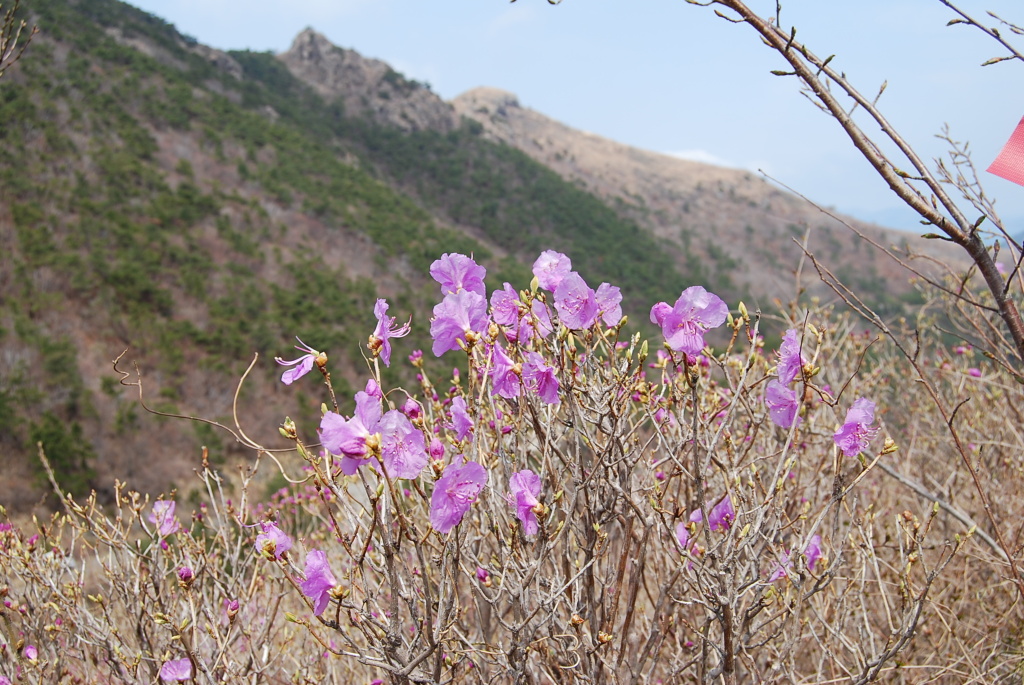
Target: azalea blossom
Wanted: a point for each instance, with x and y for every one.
(783, 405)
(537, 322)
(272, 542)
(319, 581)
(458, 273)
(303, 364)
(813, 551)
(462, 424)
(722, 515)
(781, 567)
(683, 534)
(609, 306)
(505, 306)
(348, 437)
(694, 313)
(380, 339)
(402, 447)
(526, 486)
(791, 360)
(176, 670)
(504, 379)
(856, 432)
(163, 518)
(454, 493)
(575, 302)
(455, 318)
(540, 379)
(550, 268)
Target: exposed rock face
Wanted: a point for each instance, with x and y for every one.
(367, 87)
(219, 59)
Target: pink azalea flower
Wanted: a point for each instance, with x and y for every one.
(974, 373)
(347, 437)
(319, 581)
(454, 493)
(380, 340)
(504, 379)
(462, 424)
(402, 448)
(856, 431)
(550, 268)
(781, 567)
(162, 517)
(303, 364)
(813, 551)
(694, 313)
(458, 273)
(456, 316)
(505, 306)
(682, 535)
(30, 652)
(609, 306)
(176, 670)
(272, 542)
(526, 486)
(782, 403)
(790, 358)
(483, 575)
(722, 515)
(540, 379)
(536, 323)
(575, 302)
(4, 680)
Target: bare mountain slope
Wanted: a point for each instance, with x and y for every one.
(727, 218)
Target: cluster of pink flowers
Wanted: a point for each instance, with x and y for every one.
(503, 336)
(389, 438)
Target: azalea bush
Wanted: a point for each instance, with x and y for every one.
(575, 504)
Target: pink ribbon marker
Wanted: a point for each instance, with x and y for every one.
(1010, 162)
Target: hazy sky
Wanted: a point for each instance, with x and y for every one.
(672, 77)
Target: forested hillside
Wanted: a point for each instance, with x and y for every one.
(196, 207)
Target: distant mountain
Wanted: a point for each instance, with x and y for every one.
(723, 226)
(197, 206)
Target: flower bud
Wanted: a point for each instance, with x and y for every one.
(185, 576)
(484, 576)
(288, 429)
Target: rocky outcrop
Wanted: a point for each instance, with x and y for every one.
(366, 87)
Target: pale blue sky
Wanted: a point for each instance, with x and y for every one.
(671, 77)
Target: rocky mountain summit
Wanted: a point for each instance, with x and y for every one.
(366, 87)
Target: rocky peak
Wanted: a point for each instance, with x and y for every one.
(366, 87)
